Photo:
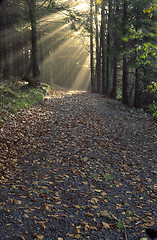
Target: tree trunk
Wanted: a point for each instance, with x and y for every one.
(114, 89)
(98, 54)
(6, 69)
(115, 47)
(137, 100)
(125, 78)
(35, 57)
(103, 46)
(92, 48)
(1, 42)
(108, 60)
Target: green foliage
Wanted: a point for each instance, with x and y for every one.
(22, 23)
(14, 97)
(120, 224)
(51, 5)
(152, 88)
(153, 108)
(119, 94)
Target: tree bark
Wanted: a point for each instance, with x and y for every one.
(125, 78)
(98, 54)
(92, 48)
(103, 46)
(137, 100)
(108, 60)
(1, 42)
(35, 57)
(115, 47)
(6, 69)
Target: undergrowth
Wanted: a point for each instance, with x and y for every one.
(15, 96)
(152, 88)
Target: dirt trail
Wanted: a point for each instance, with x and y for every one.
(83, 167)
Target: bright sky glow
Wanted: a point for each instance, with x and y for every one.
(67, 64)
(82, 7)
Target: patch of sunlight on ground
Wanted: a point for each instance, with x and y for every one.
(71, 92)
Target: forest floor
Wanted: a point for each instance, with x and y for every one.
(78, 166)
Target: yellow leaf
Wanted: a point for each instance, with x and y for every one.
(98, 190)
(89, 214)
(21, 238)
(19, 220)
(51, 183)
(86, 183)
(114, 217)
(76, 206)
(94, 200)
(47, 208)
(43, 187)
(70, 235)
(95, 207)
(77, 230)
(37, 218)
(40, 236)
(49, 205)
(105, 225)
(77, 236)
(17, 202)
(7, 210)
(148, 224)
(60, 238)
(103, 193)
(43, 226)
(104, 213)
(23, 196)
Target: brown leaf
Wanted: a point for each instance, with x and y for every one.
(38, 236)
(77, 236)
(104, 213)
(76, 206)
(94, 200)
(43, 226)
(89, 214)
(21, 238)
(105, 225)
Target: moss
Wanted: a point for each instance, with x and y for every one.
(15, 96)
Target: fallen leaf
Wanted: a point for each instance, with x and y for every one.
(40, 236)
(77, 236)
(104, 213)
(21, 238)
(43, 226)
(76, 206)
(105, 225)
(89, 214)
(94, 200)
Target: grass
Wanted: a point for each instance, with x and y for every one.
(15, 96)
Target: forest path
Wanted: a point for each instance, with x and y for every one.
(84, 168)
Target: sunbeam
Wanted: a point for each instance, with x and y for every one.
(82, 80)
(62, 55)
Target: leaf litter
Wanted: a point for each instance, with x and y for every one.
(78, 166)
